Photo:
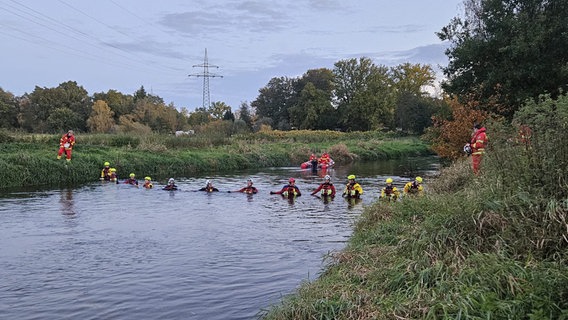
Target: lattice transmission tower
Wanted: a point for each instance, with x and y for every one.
(205, 74)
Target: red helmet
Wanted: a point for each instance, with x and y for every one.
(291, 180)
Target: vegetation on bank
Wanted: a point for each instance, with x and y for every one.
(493, 246)
(28, 159)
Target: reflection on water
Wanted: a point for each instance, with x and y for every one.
(128, 253)
(66, 201)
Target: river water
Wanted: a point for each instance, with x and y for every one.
(108, 251)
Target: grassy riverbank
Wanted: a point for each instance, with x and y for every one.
(28, 160)
(493, 246)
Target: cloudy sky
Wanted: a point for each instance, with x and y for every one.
(125, 44)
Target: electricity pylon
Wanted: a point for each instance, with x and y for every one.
(206, 75)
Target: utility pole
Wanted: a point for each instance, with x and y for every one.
(206, 75)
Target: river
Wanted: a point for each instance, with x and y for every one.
(108, 251)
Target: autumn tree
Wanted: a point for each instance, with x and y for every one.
(448, 135)
(101, 119)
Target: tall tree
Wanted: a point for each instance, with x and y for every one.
(506, 51)
(364, 94)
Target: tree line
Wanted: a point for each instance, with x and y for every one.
(356, 95)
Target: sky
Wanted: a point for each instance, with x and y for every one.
(125, 44)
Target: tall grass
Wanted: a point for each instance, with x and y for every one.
(493, 246)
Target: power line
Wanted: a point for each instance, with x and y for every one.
(205, 75)
(31, 15)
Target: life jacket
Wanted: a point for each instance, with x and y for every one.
(412, 187)
(352, 192)
(210, 189)
(70, 139)
(131, 181)
(389, 190)
(290, 192)
(326, 189)
(250, 190)
(105, 173)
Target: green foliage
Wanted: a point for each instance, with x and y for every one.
(8, 110)
(541, 166)
(414, 113)
(506, 51)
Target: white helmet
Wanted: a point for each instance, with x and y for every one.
(327, 177)
(208, 182)
(467, 149)
(249, 179)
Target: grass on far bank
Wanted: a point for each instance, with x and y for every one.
(30, 159)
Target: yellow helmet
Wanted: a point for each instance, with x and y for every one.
(113, 169)
(351, 177)
(147, 178)
(419, 179)
(107, 164)
(132, 175)
(389, 180)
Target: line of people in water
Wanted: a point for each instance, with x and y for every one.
(352, 190)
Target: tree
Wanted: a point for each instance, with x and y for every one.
(218, 109)
(244, 114)
(364, 94)
(120, 104)
(275, 99)
(449, 134)
(229, 116)
(412, 78)
(38, 106)
(101, 119)
(8, 110)
(62, 119)
(413, 113)
(507, 51)
(199, 117)
(314, 110)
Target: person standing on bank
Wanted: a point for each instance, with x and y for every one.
(66, 144)
(478, 143)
